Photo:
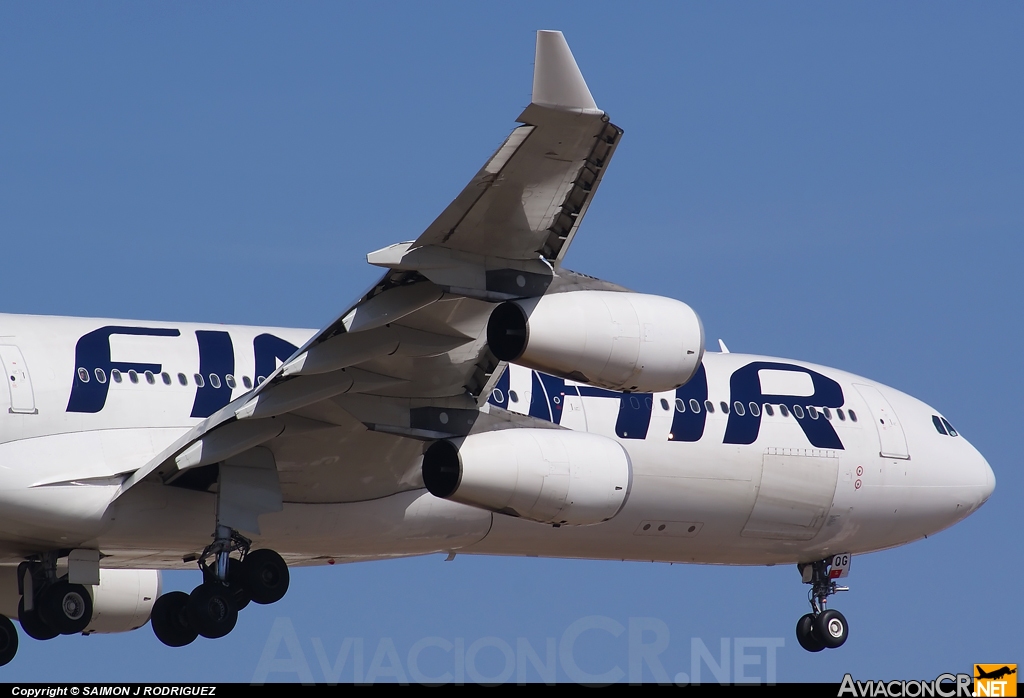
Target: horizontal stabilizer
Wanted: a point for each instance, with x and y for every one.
(557, 80)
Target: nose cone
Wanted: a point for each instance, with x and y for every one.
(987, 479)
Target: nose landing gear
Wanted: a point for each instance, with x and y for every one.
(823, 627)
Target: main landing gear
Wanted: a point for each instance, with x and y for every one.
(823, 627)
(229, 584)
(49, 605)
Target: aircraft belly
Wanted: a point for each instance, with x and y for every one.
(156, 526)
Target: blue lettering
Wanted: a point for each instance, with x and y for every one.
(745, 387)
(216, 358)
(93, 352)
(269, 350)
(687, 423)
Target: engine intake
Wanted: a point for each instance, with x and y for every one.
(620, 341)
(545, 475)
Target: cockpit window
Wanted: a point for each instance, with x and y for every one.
(938, 425)
(949, 427)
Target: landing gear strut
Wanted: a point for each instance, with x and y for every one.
(823, 627)
(229, 584)
(233, 575)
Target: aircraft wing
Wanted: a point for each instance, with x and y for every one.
(409, 359)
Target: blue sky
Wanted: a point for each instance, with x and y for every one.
(840, 183)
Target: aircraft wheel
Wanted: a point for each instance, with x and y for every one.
(210, 610)
(832, 628)
(170, 620)
(266, 576)
(66, 608)
(33, 625)
(806, 635)
(8, 640)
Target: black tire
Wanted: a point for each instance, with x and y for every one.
(832, 628)
(236, 584)
(8, 640)
(266, 576)
(210, 610)
(33, 625)
(806, 635)
(65, 607)
(170, 620)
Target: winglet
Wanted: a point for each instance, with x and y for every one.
(557, 80)
(721, 345)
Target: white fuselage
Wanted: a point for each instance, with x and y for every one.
(741, 489)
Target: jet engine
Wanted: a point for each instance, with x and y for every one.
(546, 475)
(122, 601)
(621, 341)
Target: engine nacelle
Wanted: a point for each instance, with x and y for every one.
(621, 341)
(122, 601)
(546, 475)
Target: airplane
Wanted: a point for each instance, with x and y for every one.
(479, 399)
(995, 673)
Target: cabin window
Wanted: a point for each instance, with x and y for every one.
(769, 410)
(101, 375)
(755, 409)
(853, 416)
(798, 411)
(198, 378)
(166, 377)
(725, 407)
(813, 413)
(150, 378)
(133, 376)
(664, 404)
(694, 406)
(183, 379)
(512, 395)
(260, 379)
(680, 405)
(827, 412)
(215, 380)
(247, 382)
(783, 410)
(709, 406)
(840, 414)
(230, 380)
(737, 407)
(115, 375)
(83, 375)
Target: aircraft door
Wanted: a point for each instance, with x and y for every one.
(892, 439)
(795, 494)
(19, 383)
